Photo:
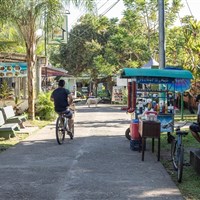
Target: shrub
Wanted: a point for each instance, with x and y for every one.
(45, 107)
(125, 96)
(5, 91)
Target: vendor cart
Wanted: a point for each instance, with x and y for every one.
(152, 91)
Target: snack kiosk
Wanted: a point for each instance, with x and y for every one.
(151, 97)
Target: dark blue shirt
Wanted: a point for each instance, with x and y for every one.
(60, 96)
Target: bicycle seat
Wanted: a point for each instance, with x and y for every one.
(181, 132)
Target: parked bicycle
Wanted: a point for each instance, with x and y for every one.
(177, 152)
(62, 126)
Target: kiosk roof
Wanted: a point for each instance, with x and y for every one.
(160, 73)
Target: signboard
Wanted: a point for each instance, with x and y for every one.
(166, 123)
(59, 34)
(154, 80)
(117, 94)
(13, 70)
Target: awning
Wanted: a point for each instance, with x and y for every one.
(159, 73)
(53, 71)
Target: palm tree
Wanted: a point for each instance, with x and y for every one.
(25, 16)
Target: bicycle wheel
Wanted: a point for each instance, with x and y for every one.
(180, 158)
(60, 131)
(127, 134)
(174, 153)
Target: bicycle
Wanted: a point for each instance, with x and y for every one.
(177, 152)
(62, 127)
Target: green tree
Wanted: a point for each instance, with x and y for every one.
(10, 40)
(99, 46)
(146, 13)
(5, 91)
(27, 16)
(183, 45)
(86, 53)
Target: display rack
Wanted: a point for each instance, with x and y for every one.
(156, 97)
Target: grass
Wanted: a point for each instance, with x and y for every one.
(191, 180)
(39, 123)
(5, 144)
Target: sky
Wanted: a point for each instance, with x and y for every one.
(191, 7)
(102, 7)
(107, 8)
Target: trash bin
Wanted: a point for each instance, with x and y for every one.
(134, 129)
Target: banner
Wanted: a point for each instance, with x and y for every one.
(13, 70)
(117, 94)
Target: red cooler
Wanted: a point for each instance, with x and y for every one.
(134, 129)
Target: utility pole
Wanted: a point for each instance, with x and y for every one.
(45, 49)
(161, 34)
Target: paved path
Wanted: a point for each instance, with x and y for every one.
(97, 165)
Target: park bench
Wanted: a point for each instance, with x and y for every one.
(10, 117)
(7, 130)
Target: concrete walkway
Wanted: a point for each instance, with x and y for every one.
(97, 165)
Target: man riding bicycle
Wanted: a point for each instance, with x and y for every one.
(62, 99)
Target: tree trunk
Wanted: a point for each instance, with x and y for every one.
(31, 62)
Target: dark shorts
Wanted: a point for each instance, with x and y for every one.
(67, 113)
(195, 127)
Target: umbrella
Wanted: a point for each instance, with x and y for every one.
(180, 85)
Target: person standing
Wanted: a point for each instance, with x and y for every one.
(195, 127)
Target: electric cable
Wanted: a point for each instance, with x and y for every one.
(112, 6)
(83, 12)
(103, 4)
(189, 8)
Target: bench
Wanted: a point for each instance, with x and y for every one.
(10, 117)
(7, 130)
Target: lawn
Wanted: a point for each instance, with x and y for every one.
(190, 185)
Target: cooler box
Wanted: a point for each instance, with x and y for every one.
(134, 129)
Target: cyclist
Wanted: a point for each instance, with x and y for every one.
(195, 126)
(62, 100)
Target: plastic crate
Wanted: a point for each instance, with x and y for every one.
(135, 145)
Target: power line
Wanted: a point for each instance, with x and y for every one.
(189, 8)
(112, 6)
(83, 12)
(103, 4)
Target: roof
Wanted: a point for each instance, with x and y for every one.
(53, 71)
(151, 63)
(160, 73)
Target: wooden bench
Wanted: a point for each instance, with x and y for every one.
(10, 117)
(7, 130)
